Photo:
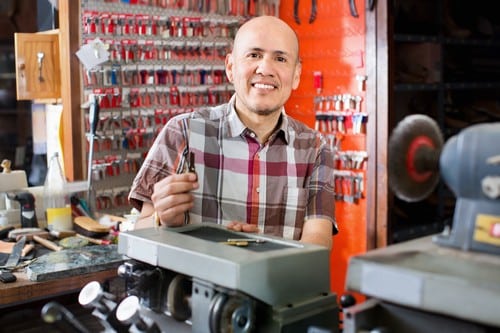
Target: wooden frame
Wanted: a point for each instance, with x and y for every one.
(377, 104)
(72, 120)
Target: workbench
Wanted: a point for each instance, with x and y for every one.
(26, 291)
(420, 286)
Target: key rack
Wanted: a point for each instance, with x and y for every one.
(163, 60)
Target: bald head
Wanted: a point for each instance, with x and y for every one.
(270, 28)
(264, 68)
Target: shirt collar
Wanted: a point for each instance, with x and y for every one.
(236, 126)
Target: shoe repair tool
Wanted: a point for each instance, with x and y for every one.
(6, 247)
(353, 9)
(27, 202)
(16, 253)
(62, 234)
(89, 227)
(97, 241)
(6, 275)
(469, 163)
(312, 16)
(16, 234)
(93, 121)
(47, 243)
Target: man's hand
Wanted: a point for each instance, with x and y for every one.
(171, 200)
(240, 226)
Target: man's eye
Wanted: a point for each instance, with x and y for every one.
(281, 59)
(253, 55)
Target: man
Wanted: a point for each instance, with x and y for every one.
(257, 170)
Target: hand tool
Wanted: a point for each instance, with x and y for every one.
(47, 243)
(314, 11)
(93, 120)
(6, 275)
(90, 227)
(27, 202)
(296, 11)
(16, 253)
(313, 14)
(353, 9)
(371, 4)
(62, 234)
(16, 234)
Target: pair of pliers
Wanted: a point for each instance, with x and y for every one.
(312, 16)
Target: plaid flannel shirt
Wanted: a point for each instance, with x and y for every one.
(277, 185)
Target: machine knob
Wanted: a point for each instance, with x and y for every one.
(128, 312)
(347, 300)
(55, 313)
(92, 295)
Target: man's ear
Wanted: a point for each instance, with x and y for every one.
(229, 67)
(296, 75)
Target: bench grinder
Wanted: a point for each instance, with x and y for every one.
(468, 162)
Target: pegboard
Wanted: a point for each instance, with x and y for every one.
(334, 43)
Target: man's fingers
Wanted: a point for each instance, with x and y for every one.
(249, 228)
(244, 227)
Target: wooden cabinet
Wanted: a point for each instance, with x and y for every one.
(38, 73)
(438, 58)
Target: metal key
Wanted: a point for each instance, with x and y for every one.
(40, 56)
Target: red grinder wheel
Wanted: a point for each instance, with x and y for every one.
(414, 149)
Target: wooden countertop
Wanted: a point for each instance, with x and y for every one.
(25, 291)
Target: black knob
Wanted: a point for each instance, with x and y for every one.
(347, 300)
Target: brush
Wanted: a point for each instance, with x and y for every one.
(89, 227)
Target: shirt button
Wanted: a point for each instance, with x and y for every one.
(252, 134)
(257, 189)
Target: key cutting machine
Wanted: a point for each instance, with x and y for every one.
(204, 278)
(469, 163)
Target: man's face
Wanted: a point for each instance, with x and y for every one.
(263, 67)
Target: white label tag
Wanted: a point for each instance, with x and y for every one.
(93, 53)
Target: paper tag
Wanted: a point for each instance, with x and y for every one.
(93, 53)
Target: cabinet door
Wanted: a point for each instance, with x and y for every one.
(38, 73)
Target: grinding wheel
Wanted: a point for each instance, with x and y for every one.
(231, 314)
(414, 149)
(178, 295)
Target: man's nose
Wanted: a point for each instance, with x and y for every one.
(265, 66)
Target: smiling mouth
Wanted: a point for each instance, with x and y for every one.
(263, 86)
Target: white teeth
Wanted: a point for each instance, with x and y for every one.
(263, 86)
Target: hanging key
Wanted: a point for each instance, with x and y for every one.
(40, 56)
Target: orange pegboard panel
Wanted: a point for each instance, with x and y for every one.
(334, 43)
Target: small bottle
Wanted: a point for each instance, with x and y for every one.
(56, 201)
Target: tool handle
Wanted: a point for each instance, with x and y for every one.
(48, 244)
(94, 114)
